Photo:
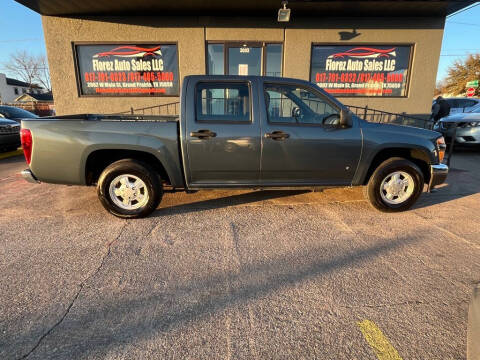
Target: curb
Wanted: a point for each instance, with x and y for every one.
(11, 154)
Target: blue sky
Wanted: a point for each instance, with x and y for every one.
(21, 28)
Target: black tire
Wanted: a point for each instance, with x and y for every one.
(151, 179)
(373, 191)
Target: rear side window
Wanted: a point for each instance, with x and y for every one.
(223, 102)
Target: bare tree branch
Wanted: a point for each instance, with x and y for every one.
(23, 65)
(44, 74)
(31, 69)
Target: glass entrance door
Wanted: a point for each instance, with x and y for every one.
(244, 59)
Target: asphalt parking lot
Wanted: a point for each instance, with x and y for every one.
(237, 274)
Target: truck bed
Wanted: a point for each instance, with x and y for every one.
(64, 145)
(113, 117)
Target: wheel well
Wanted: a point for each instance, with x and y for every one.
(418, 157)
(98, 160)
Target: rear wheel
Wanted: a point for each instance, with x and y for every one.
(395, 185)
(129, 189)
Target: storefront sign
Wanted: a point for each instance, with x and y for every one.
(361, 70)
(128, 70)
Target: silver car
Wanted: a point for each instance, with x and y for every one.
(467, 124)
(461, 104)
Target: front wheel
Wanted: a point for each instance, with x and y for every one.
(129, 189)
(395, 185)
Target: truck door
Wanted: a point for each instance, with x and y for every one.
(303, 143)
(223, 136)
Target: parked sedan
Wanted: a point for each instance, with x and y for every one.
(14, 113)
(467, 124)
(9, 135)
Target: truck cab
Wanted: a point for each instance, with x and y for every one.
(265, 132)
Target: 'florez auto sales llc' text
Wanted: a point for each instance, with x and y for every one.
(124, 65)
(357, 65)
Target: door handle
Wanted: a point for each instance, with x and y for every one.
(203, 134)
(277, 135)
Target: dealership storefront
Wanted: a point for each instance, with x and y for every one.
(107, 57)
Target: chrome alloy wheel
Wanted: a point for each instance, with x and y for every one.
(397, 187)
(128, 192)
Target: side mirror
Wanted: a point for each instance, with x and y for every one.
(296, 112)
(345, 118)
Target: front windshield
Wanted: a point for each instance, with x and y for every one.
(475, 109)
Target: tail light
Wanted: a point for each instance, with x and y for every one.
(441, 147)
(27, 144)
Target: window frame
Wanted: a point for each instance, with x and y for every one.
(311, 89)
(238, 43)
(226, 82)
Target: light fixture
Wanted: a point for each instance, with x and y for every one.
(284, 13)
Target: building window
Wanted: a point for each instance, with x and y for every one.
(215, 59)
(24, 91)
(244, 58)
(273, 66)
(362, 70)
(141, 69)
(15, 90)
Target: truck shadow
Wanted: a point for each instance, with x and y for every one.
(226, 201)
(463, 180)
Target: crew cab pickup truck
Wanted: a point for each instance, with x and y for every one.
(234, 132)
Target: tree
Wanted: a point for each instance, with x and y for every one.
(24, 66)
(29, 68)
(461, 72)
(43, 73)
(439, 88)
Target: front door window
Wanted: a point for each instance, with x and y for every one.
(293, 104)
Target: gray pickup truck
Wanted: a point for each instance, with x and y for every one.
(234, 132)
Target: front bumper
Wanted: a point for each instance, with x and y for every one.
(28, 175)
(438, 175)
(9, 140)
(463, 135)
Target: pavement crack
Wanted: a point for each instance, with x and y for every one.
(77, 294)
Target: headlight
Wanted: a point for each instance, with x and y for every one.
(441, 147)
